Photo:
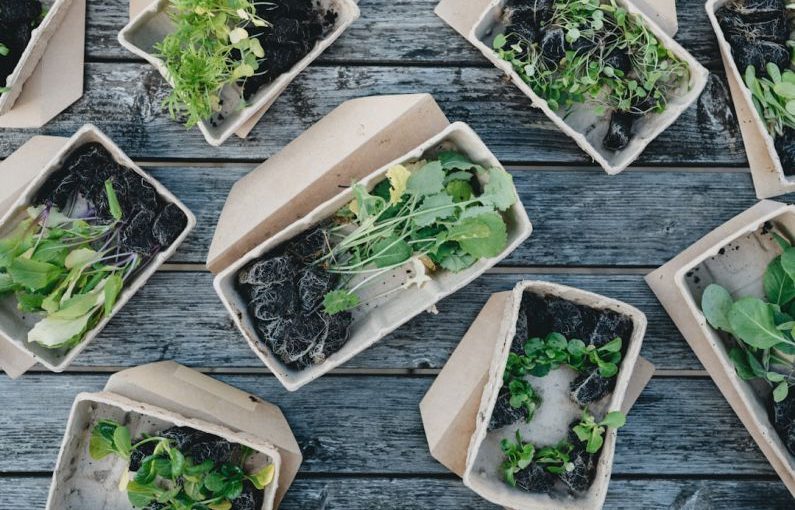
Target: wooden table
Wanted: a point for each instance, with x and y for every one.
(360, 427)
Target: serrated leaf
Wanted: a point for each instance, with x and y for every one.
(434, 208)
(499, 191)
(483, 236)
(428, 180)
(340, 301)
(398, 177)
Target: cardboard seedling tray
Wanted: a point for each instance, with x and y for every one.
(458, 407)
(150, 399)
(766, 168)
(26, 170)
(152, 24)
(61, 63)
(372, 324)
(480, 20)
(39, 39)
(450, 407)
(735, 256)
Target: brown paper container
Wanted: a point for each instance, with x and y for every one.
(346, 145)
(476, 19)
(734, 255)
(450, 406)
(39, 38)
(766, 168)
(151, 25)
(61, 63)
(455, 419)
(29, 174)
(372, 324)
(151, 398)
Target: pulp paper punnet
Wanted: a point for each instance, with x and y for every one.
(450, 407)
(151, 26)
(482, 472)
(478, 19)
(152, 398)
(39, 38)
(344, 146)
(31, 175)
(766, 168)
(62, 63)
(735, 256)
(370, 325)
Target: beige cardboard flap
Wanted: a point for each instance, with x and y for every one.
(356, 138)
(463, 14)
(670, 285)
(450, 406)
(62, 63)
(16, 172)
(190, 393)
(137, 7)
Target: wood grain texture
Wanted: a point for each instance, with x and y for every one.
(124, 100)
(354, 425)
(580, 217)
(419, 38)
(178, 316)
(415, 493)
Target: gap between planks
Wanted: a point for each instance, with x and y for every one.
(194, 267)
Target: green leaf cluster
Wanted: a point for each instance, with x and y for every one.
(446, 212)
(592, 433)
(764, 330)
(50, 264)
(523, 395)
(171, 479)
(584, 75)
(774, 97)
(209, 49)
(541, 356)
(520, 455)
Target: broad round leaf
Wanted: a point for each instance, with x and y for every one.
(716, 303)
(751, 321)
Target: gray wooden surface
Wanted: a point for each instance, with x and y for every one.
(360, 427)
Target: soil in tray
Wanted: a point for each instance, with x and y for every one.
(758, 32)
(150, 224)
(295, 27)
(284, 294)
(199, 447)
(538, 317)
(18, 18)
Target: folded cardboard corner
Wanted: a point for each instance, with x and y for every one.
(462, 15)
(669, 284)
(16, 171)
(356, 138)
(449, 408)
(57, 81)
(189, 393)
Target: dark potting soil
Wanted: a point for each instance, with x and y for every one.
(581, 477)
(295, 27)
(198, 447)
(285, 295)
(18, 18)
(591, 387)
(503, 414)
(782, 414)
(149, 224)
(757, 31)
(785, 147)
(550, 314)
(535, 479)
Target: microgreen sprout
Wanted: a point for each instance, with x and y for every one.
(774, 97)
(171, 480)
(592, 432)
(520, 455)
(541, 356)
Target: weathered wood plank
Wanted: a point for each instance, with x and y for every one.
(372, 425)
(428, 40)
(450, 494)
(125, 100)
(581, 218)
(178, 316)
